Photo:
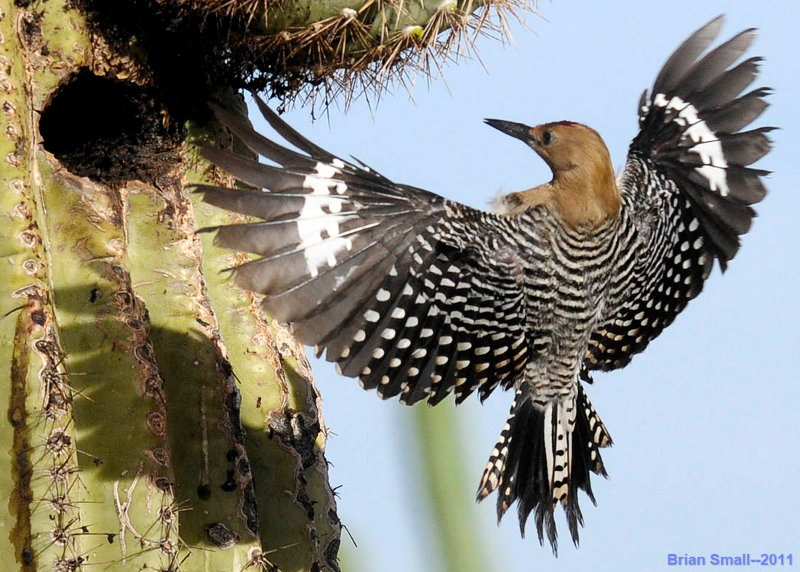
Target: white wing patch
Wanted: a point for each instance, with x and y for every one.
(318, 230)
(707, 144)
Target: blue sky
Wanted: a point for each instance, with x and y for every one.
(706, 455)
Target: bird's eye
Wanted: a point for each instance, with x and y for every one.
(547, 137)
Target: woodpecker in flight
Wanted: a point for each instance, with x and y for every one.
(419, 296)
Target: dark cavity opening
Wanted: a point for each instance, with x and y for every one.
(109, 130)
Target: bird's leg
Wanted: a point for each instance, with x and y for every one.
(515, 203)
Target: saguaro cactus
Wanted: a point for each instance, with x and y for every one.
(156, 419)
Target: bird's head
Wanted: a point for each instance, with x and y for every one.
(583, 177)
(564, 145)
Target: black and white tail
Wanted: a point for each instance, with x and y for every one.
(543, 456)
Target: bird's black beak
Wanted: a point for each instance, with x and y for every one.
(517, 130)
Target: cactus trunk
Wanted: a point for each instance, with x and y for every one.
(156, 419)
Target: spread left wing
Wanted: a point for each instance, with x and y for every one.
(414, 294)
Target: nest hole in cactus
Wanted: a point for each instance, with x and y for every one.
(109, 130)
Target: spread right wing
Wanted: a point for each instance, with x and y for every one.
(687, 185)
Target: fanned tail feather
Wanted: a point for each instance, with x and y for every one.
(543, 456)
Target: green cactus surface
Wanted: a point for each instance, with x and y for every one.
(156, 419)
